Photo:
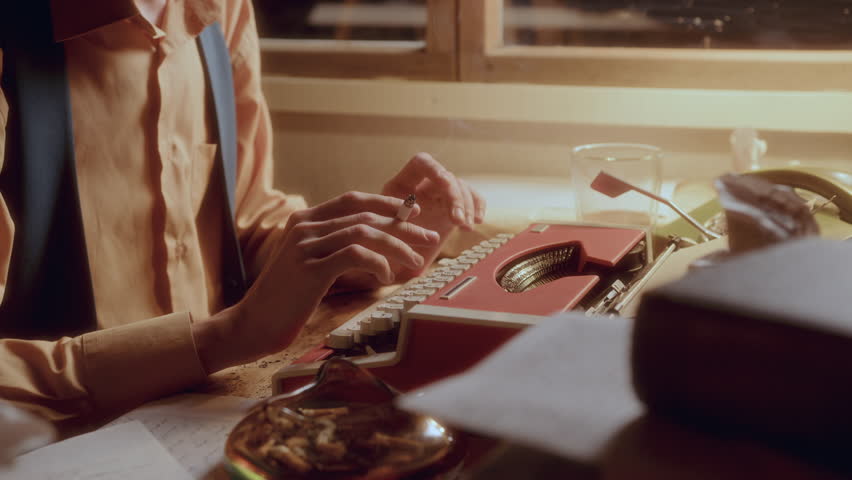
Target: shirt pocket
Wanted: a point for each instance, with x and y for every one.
(203, 160)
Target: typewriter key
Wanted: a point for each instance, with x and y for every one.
(381, 322)
(340, 340)
(395, 309)
(481, 249)
(395, 299)
(412, 301)
(468, 260)
(442, 278)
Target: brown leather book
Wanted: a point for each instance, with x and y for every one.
(760, 344)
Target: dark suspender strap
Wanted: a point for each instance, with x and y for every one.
(217, 63)
(49, 288)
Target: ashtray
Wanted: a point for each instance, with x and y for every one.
(343, 426)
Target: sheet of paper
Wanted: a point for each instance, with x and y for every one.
(22, 432)
(126, 451)
(562, 386)
(193, 428)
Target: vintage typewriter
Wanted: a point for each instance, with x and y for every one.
(448, 319)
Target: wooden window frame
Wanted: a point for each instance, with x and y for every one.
(432, 59)
(484, 58)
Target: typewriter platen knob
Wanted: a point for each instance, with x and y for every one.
(340, 339)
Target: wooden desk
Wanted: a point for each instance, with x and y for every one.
(253, 380)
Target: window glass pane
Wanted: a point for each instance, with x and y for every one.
(775, 24)
(342, 19)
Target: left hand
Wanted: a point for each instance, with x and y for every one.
(445, 201)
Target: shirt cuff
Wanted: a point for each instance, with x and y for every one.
(131, 364)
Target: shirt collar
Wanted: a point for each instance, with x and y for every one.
(72, 18)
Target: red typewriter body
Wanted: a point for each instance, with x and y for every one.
(473, 314)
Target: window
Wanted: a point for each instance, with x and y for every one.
(413, 39)
(370, 20)
(640, 38)
(727, 24)
(705, 44)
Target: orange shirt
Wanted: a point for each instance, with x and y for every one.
(151, 210)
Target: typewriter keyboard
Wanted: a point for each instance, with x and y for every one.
(376, 328)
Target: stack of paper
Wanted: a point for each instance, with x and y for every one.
(180, 437)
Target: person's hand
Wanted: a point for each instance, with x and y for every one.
(446, 201)
(353, 233)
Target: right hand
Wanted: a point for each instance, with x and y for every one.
(353, 233)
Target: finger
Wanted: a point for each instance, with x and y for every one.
(357, 258)
(423, 167)
(375, 240)
(406, 231)
(356, 202)
(468, 202)
(479, 204)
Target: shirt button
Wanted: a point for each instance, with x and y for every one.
(180, 250)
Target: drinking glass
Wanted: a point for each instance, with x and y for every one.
(634, 163)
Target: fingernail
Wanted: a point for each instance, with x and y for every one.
(418, 261)
(431, 236)
(480, 215)
(458, 215)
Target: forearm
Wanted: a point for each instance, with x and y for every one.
(217, 342)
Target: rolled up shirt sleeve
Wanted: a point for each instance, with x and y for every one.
(127, 365)
(112, 369)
